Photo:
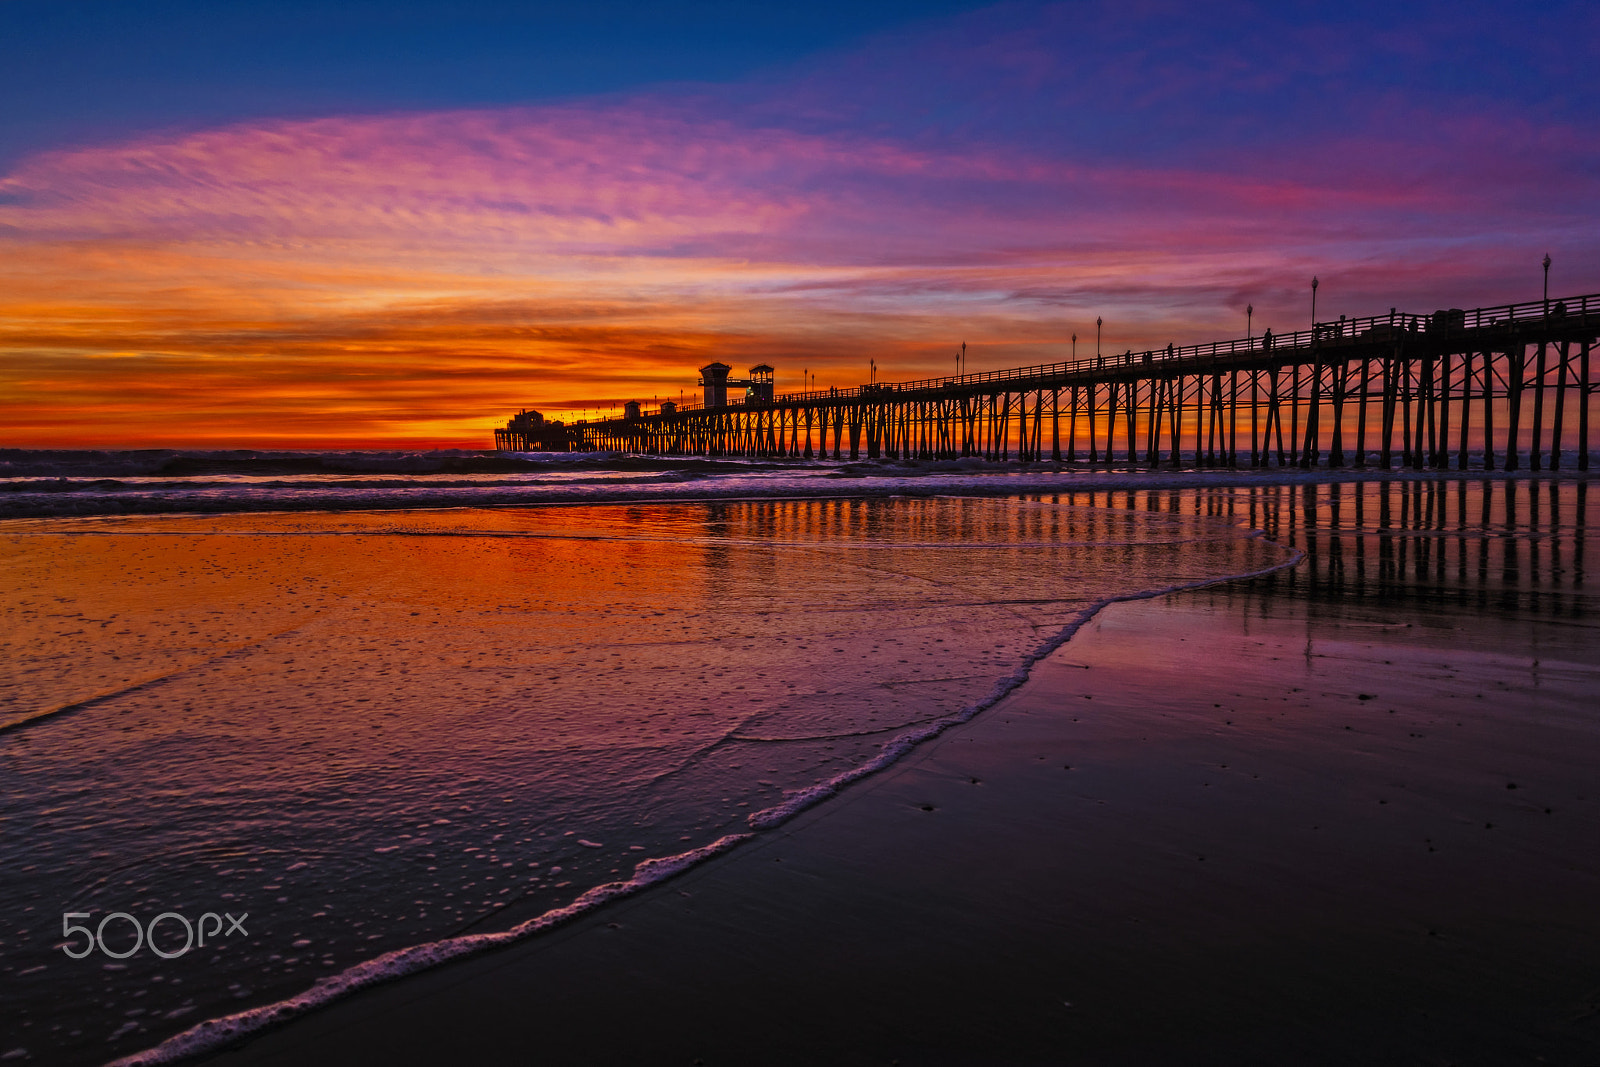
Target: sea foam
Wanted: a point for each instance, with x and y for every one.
(215, 1034)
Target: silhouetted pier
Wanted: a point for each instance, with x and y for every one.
(1514, 380)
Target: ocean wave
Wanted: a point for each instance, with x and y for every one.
(214, 1034)
(63, 484)
(210, 463)
(217, 1033)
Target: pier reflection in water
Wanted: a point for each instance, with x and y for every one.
(1465, 543)
(1478, 546)
(1487, 564)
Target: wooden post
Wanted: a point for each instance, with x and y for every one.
(1561, 396)
(1515, 358)
(1488, 412)
(1361, 412)
(998, 406)
(1390, 390)
(1111, 421)
(1004, 439)
(1211, 416)
(1255, 416)
(1038, 415)
(1310, 445)
(980, 420)
(1336, 443)
(1583, 410)
(983, 426)
(1294, 414)
(1441, 459)
(1021, 406)
(1002, 436)
(1405, 411)
(1094, 445)
(1427, 425)
(1072, 426)
(1025, 449)
(1152, 426)
(1005, 434)
(1466, 409)
(1055, 424)
(1534, 451)
(1174, 423)
(1219, 428)
(1167, 402)
(1132, 417)
(1021, 427)
(1275, 414)
(986, 418)
(1233, 418)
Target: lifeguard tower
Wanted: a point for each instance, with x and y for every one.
(714, 376)
(757, 387)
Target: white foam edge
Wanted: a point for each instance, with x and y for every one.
(897, 747)
(213, 1034)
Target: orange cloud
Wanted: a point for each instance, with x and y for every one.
(412, 279)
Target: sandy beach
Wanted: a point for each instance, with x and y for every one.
(1345, 813)
(946, 533)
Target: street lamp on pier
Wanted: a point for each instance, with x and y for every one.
(1547, 283)
(1249, 313)
(1313, 306)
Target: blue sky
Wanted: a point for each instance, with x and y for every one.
(381, 221)
(85, 70)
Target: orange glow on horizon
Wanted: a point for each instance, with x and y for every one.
(410, 281)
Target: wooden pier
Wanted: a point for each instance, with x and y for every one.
(1512, 382)
(529, 431)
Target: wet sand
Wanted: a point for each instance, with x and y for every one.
(389, 737)
(1345, 814)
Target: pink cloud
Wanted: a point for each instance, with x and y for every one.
(589, 246)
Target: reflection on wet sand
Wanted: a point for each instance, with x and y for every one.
(1462, 545)
(1465, 544)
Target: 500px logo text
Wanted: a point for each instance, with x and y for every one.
(143, 935)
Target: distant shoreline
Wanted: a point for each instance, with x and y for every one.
(32, 498)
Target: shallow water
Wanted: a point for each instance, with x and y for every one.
(375, 730)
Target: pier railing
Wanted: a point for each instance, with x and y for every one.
(1498, 383)
(1371, 328)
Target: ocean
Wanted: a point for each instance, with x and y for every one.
(279, 725)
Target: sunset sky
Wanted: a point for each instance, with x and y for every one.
(391, 225)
